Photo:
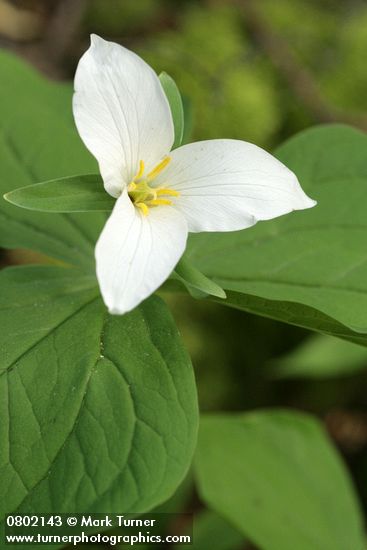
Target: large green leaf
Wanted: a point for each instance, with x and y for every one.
(275, 476)
(70, 194)
(38, 142)
(311, 265)
(212, 531)
(98, 412)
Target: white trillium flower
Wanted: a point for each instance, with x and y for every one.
(123, 117)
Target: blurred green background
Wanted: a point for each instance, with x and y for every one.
(253, 70)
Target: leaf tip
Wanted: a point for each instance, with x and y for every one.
(221, 294)
(7, 197)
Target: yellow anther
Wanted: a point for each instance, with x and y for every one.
(132, 186)
(143, 195)
(169, 192)
(158, 169)
(158, 202)
(140, 171)
(143, 207)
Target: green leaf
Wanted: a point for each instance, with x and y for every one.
(188, 120)
(81, 193)
(194, 279)
(38, 142)
(275, 476)
(311, 265)
(321, 357)
(212, 531)
(294, 314)
(175, 102)
(98, 412)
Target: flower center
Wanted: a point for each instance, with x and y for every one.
(143, 195)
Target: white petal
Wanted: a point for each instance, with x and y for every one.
(226, 185)
(135, 253)
(121, 112)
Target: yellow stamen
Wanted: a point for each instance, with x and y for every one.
(143, 207)
(158, 169)
(143, 195)
(157, 202)
(140, 171)
(169, 192)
